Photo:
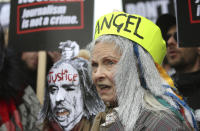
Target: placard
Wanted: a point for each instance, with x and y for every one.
(43, 24)
(188, 22)
(150, 9)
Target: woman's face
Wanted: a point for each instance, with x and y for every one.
(104, 60)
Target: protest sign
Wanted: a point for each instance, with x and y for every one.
(150, 9)
(43, 24)
(188, 22)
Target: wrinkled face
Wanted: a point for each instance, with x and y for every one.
(65, 95)
(104, 60)
(179, 57)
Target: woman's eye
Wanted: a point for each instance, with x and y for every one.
(94, 64)
(110, 62)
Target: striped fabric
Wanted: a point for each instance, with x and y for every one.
(150, 121)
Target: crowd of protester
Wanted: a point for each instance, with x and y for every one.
(119, 83)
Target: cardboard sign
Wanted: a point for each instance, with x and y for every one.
(150, 9)
(188, 22)
(43, 24)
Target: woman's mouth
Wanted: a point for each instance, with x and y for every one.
(104, 89)
(102, 86)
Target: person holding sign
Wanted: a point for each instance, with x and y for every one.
(139, 95)
(71, 101)
(185, 61)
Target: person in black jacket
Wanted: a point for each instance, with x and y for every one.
(19, 105)
(185, 61)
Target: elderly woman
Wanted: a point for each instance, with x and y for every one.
(138, 93)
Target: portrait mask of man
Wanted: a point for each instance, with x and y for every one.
(71, 99)
(65, 95)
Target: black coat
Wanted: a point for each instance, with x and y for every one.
(188, 85)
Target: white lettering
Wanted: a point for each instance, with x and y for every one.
(148, 9)
(36, 22)
(25, 24)
(4, 0)
(41, 11)
(59, 20)
(130, 8)
(197, 1)
(164, 6)
(32, 1)
(29, 1)
(151, 9)
(198, 10)
(141, 7)
(46, 21)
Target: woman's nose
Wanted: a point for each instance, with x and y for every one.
(99, 74)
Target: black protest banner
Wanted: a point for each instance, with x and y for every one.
(188, 22)
(43, 24)
(150, 9)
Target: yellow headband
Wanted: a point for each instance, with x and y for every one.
(136, 28)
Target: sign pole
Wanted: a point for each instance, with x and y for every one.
(41, 75)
